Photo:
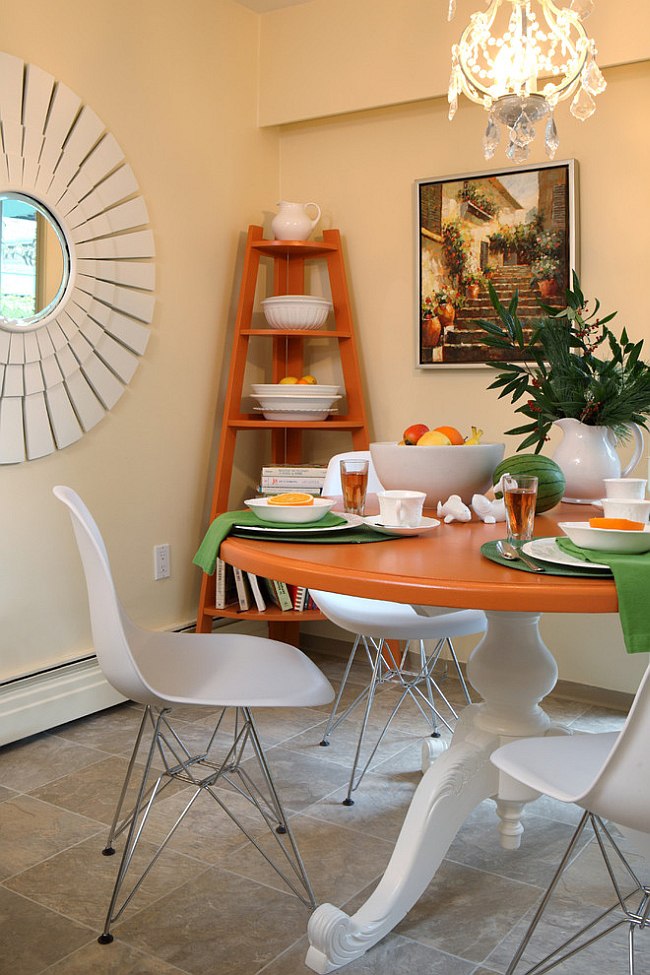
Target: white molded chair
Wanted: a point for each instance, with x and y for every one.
(374, 622)
(607, 775)
(161, 670)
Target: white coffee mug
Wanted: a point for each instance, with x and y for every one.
(401, 509)
(625, 487)
(626, 508)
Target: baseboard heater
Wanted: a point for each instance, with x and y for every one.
(42, 700)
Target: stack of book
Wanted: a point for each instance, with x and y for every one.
(307, 478)
(234, 587)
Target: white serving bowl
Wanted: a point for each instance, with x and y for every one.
(438, 471)
(607, 539)
(296, 311)
(304, 416)
(290, 514)
(294, 389)
(278, 401)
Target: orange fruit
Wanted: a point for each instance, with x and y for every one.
(621, 524)
(452, 433)
(434, 438)
(293, 498)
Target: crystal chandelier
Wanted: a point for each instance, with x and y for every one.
(518, 59)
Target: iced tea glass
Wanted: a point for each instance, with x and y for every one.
(354, 483)
(520, 498)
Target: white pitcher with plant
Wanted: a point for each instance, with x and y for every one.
(580, 377)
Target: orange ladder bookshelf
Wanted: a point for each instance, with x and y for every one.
(287, 350)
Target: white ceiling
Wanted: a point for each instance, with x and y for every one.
(262, 6)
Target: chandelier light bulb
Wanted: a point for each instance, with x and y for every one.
(518, 59)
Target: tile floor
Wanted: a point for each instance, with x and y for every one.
(210, 906)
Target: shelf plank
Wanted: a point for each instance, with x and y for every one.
(303, 333)
(271, 614)
(329, 424)
(304, 249)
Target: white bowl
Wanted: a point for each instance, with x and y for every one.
(305, 415)
(294, 389)
(296, 311)
(289, 513)
(278, 401)
(438, 471)
(607, 539)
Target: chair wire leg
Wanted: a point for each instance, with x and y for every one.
(349, 801)
(429, 685)
(331, 721)
(134, 832)
(109, 849)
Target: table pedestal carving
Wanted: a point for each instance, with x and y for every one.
(512, 670)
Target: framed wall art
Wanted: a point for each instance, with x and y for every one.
(516, 228)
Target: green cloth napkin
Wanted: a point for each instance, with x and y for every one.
(225, 524)
(632, 578)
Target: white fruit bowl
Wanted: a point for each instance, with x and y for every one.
(280, 401)
(290, 514)
(302, 416)
(294, 389)
(607, 539)
(296, 311)
(438, 471)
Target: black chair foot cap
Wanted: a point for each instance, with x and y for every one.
(324, 744)
(435, 734)
(348, 802)
(108, 851)
(280, 829)
(105, 939)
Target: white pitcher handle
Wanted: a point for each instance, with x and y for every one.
(317, 218)
(638, 448)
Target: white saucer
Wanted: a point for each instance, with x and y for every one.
(426, 525)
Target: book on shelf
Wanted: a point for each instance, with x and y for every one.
(280, 480)
(294, 470)
(280, 489)
(300, 598)
(244, 594)
(225, 587)
(260, 602)
(278, 594)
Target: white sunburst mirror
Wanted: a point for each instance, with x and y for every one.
(76, 266)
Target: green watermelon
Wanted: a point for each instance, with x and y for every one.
(551, 483)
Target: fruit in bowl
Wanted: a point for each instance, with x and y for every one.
(438, 470)
(291, 513)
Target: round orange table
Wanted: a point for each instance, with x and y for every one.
(511, 669)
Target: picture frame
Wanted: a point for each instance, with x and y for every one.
(516, 227)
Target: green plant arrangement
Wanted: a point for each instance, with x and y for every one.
(454, 249)
(471, 193)
(578, 368)
(449, 296)
(544, 268)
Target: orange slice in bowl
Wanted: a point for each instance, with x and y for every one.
(620, 524)
(292, 498)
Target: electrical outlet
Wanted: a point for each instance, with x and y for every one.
(161, 562)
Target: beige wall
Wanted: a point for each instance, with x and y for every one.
(361, 166)
(176, 84)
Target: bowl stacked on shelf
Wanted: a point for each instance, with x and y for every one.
(295, 401)
(296, 311)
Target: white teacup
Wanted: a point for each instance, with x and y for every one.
(401, 509)
(629, 488)
(630, 508)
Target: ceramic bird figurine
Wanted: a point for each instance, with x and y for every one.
(454, 509)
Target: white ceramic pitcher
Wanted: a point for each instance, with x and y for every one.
(587, 455)
(293, 222)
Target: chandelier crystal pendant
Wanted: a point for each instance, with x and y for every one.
(518, 59)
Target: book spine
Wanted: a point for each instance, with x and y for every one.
(272, 480)
(300, 598)
(241, 583)
(278, 489)
(284, 598)
(225, 591)
(306, 471)
(257, 592)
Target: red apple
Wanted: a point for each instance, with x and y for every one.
(413, 433)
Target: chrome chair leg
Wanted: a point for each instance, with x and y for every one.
(203, 774)
(569, 948)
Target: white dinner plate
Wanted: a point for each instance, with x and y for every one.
(352, 521)
(545, 550)
(426, 525)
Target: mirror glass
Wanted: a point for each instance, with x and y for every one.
(34, 260)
